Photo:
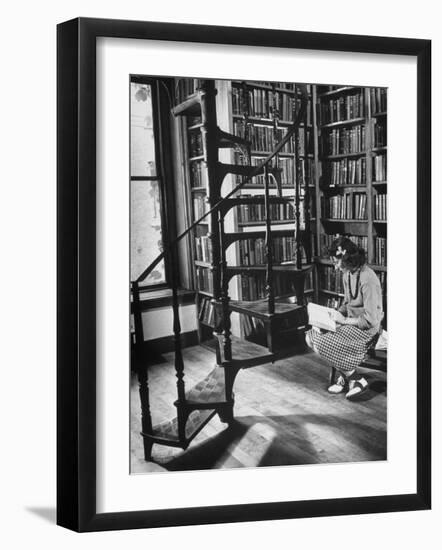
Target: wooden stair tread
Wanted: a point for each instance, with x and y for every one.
(209, 390)
(245, 354)
(225, 139)
(262, 267)
(189, 107)
(231, 237)
(167, 432)
(259, 308)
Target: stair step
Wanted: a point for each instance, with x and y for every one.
(247, 354)
(259, 309)
(189, 107)
(167, 432)
(226, 140)
(239, 201)
(244, 235)
(284, 267)
(210, 390)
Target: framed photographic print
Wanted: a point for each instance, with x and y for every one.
(226, 201)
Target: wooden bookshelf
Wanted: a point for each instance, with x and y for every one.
(341, 178)
(268, 111)
(350, 125)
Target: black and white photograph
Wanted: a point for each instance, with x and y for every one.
(258, 274)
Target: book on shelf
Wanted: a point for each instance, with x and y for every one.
(379, 133)
(345, 107)
(380, 207)
(263, 138)
(285, 165)
(198, 175)
(253, 287)
(345, 172)
(195, 144)
(187, 87)
(333, 303)
(343, 141)
(330, 279)
(253, 251)
(256, 212)
(378, 100)
(204, 279)
(200, 205)
(380, 251)
(348, 206)
(203, 249)
(380, 167)
(207, 312)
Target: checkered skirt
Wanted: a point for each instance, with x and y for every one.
(345, 348)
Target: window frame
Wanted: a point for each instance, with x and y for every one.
(164, 173)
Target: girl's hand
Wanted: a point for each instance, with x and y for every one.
(339, 318)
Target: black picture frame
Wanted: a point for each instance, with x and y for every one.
(76, 272)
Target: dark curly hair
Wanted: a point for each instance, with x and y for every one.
(345, 249)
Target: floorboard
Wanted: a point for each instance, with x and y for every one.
(284, 416)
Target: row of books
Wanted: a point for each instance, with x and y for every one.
(256, 212)
(203, 249)
(345, 172)
(253, 251)
(342, 108)
(331, 302)
(380, 250)
(327, 239)
(264, 103)
(379, 131)
(200, 205)
(336, 282)
(286, 165)
(195, 144)
(187, 86)
(198, 175)
(254, 287)
(380, 168)
(204, 279)
(206, 313)
(263, 138)
(330, 279)
(380, 207)
(349, 206)
(342, 141)
(378, 100)
(289, 86)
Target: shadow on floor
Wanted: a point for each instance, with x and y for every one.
(254, 441)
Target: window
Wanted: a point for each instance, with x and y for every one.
(147, 191)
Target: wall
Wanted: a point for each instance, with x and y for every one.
(28, 180)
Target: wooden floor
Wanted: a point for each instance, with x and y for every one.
(284, 416)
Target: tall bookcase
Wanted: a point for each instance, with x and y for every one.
(350, 127)
(340, 176)
(262, 112)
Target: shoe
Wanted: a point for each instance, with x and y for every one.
(356, 388)
(339, 386)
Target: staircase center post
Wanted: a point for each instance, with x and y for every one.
(268, 244)
(225, 299)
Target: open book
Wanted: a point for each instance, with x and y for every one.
(321, 317)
